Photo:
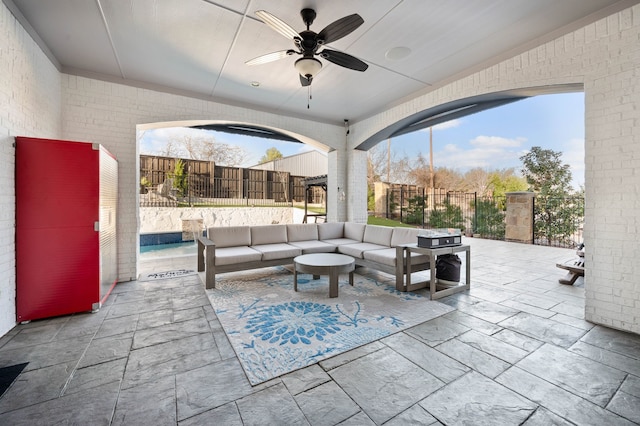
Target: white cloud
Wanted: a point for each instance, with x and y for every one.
(487, 152)
(448, 124)
(573, 155)
(497, 142)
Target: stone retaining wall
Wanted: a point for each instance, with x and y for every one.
(170, 219)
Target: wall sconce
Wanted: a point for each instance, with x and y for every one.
(341, 195)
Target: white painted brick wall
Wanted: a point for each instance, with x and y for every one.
(605, 58)
(29, 106)
(108, 113)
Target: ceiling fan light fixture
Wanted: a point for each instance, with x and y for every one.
(308, 67)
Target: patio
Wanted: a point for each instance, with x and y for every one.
(515, 351)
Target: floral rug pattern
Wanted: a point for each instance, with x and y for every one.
(275, 330)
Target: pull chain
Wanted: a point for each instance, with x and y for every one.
(308, 95)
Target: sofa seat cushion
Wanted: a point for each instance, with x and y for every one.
(314, 246)
(340, 241)
(268, 234)
(302, 232)
(277, 251)
(356, 250)
(355, 231)
(330, 230)
(230, 236)
(388, 257)
(376, 234)
(404, 236)
(233, 255)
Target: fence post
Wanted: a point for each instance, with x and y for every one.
(245, 189)
(387, 203)
(189, 183)
(401, 201)
(475, 212)
(424, 198)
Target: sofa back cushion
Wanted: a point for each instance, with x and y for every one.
(302, 232)
(268, 234)
(229, 236)
(330, 230)
(354, 231)
(404, 236)
(375, 234)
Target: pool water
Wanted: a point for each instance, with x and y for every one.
(188, 248)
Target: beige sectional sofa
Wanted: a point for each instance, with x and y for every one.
(237, 248)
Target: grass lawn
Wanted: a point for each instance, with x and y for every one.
(387, 222)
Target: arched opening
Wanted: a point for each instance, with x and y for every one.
(209, 183)
(480, 156)
(459, 108)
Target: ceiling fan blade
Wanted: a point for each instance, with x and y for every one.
(270, 57)
(344, 60)
(277, 24)
(340, 28)
(304, 81)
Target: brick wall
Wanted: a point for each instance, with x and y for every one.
(109, 114)
(29, 106)
(612, 161)
(604, 58)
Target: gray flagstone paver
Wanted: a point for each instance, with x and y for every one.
(516, 350)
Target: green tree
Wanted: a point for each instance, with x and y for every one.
(506, 180)
(447, 215)
(415, 210)
(558, 209)
(180, 177)
(488, 220)
(545, 173)
(371, 198)
(270, 155)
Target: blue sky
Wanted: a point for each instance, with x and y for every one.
(492, 139)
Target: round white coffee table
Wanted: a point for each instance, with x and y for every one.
(317, 264)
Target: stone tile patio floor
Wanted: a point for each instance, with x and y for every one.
(515, 351)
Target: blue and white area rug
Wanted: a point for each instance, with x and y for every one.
(275, 330)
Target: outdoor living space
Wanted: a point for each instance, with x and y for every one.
(513, 350)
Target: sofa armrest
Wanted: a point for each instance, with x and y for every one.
(207, 264)
(400, 262)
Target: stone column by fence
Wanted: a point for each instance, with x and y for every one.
(380, 191)
(519, 219)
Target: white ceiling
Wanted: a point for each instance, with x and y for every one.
(199, 47)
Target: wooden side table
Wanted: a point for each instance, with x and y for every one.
(433, 253)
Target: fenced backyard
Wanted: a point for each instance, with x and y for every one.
(202, 183)
(556, 221)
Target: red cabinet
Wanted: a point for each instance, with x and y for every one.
(66, 250)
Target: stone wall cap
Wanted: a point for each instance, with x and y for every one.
(526, 193)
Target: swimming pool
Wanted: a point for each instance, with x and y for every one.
(188, 248)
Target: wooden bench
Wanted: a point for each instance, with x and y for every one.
(575, 268)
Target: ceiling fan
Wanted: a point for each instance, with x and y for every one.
(310, 44)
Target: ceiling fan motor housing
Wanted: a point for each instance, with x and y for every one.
(308, 16)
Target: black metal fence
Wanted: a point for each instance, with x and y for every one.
(557, 221)
(203, 190)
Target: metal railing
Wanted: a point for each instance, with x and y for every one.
(557, 221)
